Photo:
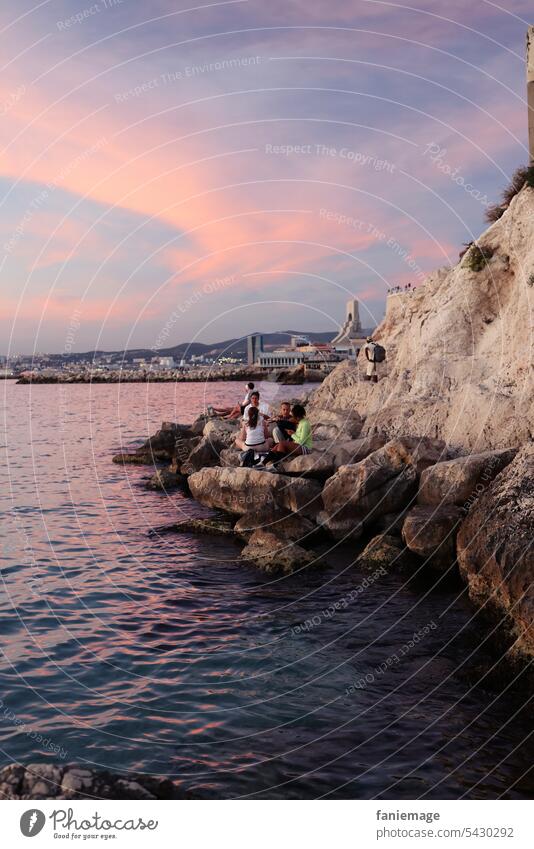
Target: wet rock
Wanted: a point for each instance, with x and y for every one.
(495, 551)
(430, 532)
(164, 481)
(275, 555)
(460, 481)
(217, 436)
(49, 781)
(212, 527)
(243, 491)
(283, 524)
(383, 552)
(141, 458)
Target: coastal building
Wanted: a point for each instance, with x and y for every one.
(254, 348)
(281, 358)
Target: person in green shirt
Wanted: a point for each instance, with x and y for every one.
(300, 442)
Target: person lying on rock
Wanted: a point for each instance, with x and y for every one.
(237, 410)
(254, 432)
(261, 406)
(284, 425)
(301, 441)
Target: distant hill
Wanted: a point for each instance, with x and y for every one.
(229, 348)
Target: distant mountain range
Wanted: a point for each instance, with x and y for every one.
(229, 348)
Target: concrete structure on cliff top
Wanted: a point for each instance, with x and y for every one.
(530, 91)
(351, 332)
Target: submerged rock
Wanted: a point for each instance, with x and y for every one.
(212, 527)
(496, 553)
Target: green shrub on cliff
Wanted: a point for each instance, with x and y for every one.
(521, 177)
(476, 258)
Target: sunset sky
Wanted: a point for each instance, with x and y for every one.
(185, 171)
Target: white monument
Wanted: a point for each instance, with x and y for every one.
(352, 329)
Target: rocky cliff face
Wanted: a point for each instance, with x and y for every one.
(459, 349)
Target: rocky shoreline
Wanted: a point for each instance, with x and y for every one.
(409, 502)
(72, 781)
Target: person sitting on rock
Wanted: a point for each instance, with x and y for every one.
(260, 405)
(237, 410)
(301, 441)
(254, 432)
(284, 425)
(369, 348)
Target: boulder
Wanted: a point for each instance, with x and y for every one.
(221, 432)
(164, 439)
(182, 450)
(318, 464)
(244, 490)
(285, 525)
(342, 530)
(335, 425)
(275, 555)
(141, 457)
(383, 552)
(384, 482)
(461, 480)
(230, 457)
(164, 480)
(495, 551)
(354, 450)
(430, 532)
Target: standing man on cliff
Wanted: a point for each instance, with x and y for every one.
(374, 354)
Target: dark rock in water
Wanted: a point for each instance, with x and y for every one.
(292, 376)
(460, 481)
(430, 532)
(285, 525)
(49, 781)
(384, 551)
(275, 555)
(217, 436)
(496, 553)
(212, 527)
(164, 480)
(182, 450)
(141, 458)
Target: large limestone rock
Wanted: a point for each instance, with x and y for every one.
(459, 350)
(430, 532)
(496, 552)
(335, 424)
(318, 464)
(354, 450)
(243, 491)
(217, 436)
(384, 482)
(461, 480)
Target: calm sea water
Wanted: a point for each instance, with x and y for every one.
(128, 650)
